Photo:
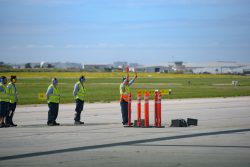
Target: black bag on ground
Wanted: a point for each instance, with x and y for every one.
(191, 121)
(178, 123)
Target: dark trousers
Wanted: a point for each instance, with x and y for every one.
(124, 110)
(9, 117)
(53, 112)
(78, 109)
(4, 108)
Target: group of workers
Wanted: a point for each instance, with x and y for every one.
(8, 100)
(53, 98)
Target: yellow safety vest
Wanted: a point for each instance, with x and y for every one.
(4, 95)
(12, 93)
(55, 96)
(124, 94)
(81, 91)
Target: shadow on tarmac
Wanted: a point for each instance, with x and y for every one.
(61, 125)
(206, 146)
(127, 143)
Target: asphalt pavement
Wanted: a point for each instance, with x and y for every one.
(220, 139)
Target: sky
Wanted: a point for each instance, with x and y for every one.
(142, 31)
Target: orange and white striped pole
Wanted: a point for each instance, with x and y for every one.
(146, 109)
(129, 109)
(138, 109)
(159, 110)
(156, 107)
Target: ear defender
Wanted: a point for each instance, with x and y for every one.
(82, 79)
(54, 81)
(3, 79)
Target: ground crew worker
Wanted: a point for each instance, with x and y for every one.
(124, 93)
(79, 94)
(4, 101)
(13, 100)
(53, 98)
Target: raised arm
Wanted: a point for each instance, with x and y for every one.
(132, 81)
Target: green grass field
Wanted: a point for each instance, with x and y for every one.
(104, 87)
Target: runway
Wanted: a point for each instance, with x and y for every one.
(220, 139)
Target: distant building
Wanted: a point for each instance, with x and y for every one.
(223, 69)
(120, 64)
(206, 70)
(97, 67)
(133, 65)
(161, 69)
(67, 65)
(246, 71)
(178, 66)
(242, 70)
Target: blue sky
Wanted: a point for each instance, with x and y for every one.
(143, 31)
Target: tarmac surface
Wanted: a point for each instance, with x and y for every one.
(222, 137)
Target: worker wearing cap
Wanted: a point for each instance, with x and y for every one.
(79, 95)
(13, 100)
(4, 101)
(53, 98)
(124, 93)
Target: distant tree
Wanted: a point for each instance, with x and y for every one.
(27, 65)
(50, 66)
(4, 66)
(107, 69)
(37, 66)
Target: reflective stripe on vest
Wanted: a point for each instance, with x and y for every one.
(12, 93)
(81, 91)
(55, 96)
(4, 95)
(124, 94)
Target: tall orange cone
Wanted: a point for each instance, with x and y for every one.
(138, 109)
(159, 110)
(129, 109)
(146, 109)
(156, 107)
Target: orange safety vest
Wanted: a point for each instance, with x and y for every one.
(124, 94)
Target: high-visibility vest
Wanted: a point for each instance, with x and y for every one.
(55, 96)
(81, 91)
(4, 95)
(12, 92)
(124, 94)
